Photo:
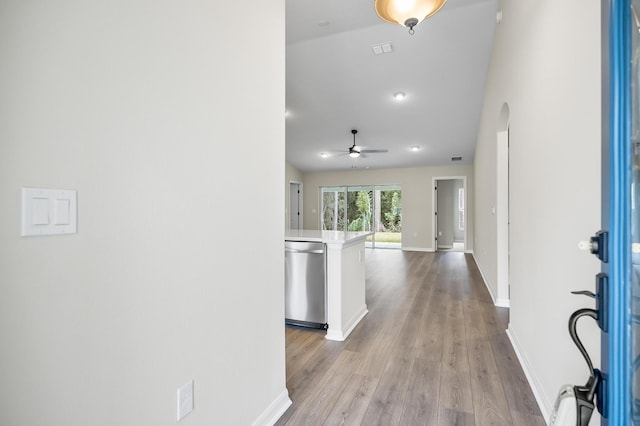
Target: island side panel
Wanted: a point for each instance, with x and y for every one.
(334, 292)
(345, 288)
(354, 306)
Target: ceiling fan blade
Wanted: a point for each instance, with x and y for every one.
(373, 151)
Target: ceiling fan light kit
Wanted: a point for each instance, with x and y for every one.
(355, 151)
(407, 12)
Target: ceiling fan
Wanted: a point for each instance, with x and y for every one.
(356, 151)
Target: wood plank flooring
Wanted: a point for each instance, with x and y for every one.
(431, 351)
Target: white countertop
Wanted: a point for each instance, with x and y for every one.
(328, 237)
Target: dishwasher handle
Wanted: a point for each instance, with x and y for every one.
(288, 250)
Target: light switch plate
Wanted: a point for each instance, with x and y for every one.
(185, 400)
(48, 212)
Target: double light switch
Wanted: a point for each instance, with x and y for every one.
(48, 212)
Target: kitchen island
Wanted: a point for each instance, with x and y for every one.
(345, 276)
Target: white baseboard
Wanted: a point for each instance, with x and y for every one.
(274, 411)
(502, 303)
(341, 335)
(484, 280)
(544, 405)
(351, 324)
(430, 250)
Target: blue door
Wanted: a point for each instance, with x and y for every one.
(619, 298)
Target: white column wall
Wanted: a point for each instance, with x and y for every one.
(148, 109)
(546, 66)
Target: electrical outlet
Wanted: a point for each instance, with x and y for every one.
(185, 400)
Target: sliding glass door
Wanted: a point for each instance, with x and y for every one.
(333, 208)
(369, 208)
(360, 208)
(388, 228)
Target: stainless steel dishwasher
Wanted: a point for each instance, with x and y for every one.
(305, 284)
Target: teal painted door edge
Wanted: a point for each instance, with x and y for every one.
(619, 342)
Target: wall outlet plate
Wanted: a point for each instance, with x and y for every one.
(185, 399)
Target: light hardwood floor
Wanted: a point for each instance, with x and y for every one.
(431, 351)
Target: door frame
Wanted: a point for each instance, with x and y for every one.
(434, 206)
(503, 295)
(616, 205)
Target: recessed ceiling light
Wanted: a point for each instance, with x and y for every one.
(415, 148)
(399, 96)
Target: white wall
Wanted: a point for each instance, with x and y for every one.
(142, 106)
(417, 198)
(546, 66)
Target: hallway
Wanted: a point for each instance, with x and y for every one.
(431, 351)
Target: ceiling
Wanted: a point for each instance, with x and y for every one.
(335, 83)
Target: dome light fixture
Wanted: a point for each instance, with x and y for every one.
(324, 154)
(415, 148)
(407, 12)
(399, 96)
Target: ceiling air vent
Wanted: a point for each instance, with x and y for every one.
(456, 158)
(379, 49)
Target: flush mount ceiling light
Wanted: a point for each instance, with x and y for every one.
(399, 96)
(407, 12)
(324, 154)
(415, 148)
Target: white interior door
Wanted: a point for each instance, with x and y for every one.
(295, 205)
